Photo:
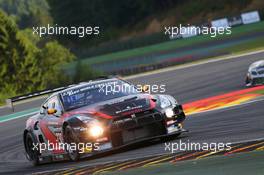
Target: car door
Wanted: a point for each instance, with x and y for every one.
(51, 123)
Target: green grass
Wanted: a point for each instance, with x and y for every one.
(260, 92)
(245, 46)
(236, 31)
(2, 102)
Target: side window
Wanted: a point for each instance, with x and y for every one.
(57, 106)
(54, 104)
(51, 103)
(42, 108)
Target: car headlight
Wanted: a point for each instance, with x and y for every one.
(164, 102)
(96, 131)
(169, 112)
(254, 73)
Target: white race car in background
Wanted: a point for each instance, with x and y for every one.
(255, 75)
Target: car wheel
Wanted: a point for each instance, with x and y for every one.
(247, 80)
(70, 139)
(32, 153)
(250, 82)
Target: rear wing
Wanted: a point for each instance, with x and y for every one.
(10, 102)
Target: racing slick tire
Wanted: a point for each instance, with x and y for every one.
(249, 82)
(32, 154)
(70, 138)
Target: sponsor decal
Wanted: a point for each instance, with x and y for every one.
(131, 109)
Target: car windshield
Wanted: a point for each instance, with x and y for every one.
(96, 92)
(260, 67)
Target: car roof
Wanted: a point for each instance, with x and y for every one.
(83, 84)
(257, 64)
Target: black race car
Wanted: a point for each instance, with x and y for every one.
(98, 116)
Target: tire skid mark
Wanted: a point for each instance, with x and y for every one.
(169, 158)
(114, 167)
(155, 160)
(246, 148)
(189, 156)
(138, 164)
(66, 171)
(90, 170)
(75, 171)
(211, 153)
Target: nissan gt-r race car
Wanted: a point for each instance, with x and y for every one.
(255, 75)
(87, 119)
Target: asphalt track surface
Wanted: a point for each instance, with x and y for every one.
(235, 124)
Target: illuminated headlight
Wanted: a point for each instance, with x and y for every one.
(169, 112)
(96, 131)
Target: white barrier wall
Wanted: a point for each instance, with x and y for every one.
(244, 18)
(220, 23)
(250, 17)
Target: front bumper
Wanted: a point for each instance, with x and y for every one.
(144, 125)
(106, 147)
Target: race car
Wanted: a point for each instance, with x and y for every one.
(98, 116)
(255, 75)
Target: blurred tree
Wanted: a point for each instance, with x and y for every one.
(18, 67)
(24, 67)
(51, 58)
(27, 13)
(83, 72)
(111, 16)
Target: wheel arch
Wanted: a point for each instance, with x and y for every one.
(24, 136)
(64, 125)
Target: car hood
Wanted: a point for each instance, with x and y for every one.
(119, 106)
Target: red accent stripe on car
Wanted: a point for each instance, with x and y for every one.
(49, 136)
(96, 113)
(152, 103)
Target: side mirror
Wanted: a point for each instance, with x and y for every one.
(145, 88)
(42, 110)
(51, 111)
